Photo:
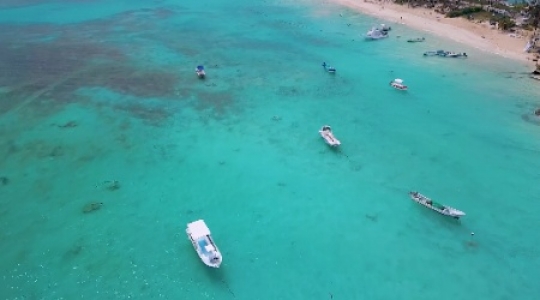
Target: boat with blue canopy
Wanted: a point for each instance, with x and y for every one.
(201, 238)
(200, 71)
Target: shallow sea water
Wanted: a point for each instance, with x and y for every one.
(93, 93)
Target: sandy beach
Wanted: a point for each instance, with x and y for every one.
(481, 36)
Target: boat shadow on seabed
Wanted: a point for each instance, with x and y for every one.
(531, 118)
(219, 276)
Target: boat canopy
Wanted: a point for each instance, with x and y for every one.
(198, 229)
(200, 68)
(397, 80)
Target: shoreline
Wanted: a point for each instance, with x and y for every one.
(477, 35)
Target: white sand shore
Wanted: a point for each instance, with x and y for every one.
(479, 36)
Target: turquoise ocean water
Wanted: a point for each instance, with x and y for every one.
(93, 92)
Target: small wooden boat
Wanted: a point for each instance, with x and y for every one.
(200, 72)
(416, 40)
(440, 208)
(398, 84)
(443, 53)
(456, 55)
(436, 53)
(328, 136)
(199, 235)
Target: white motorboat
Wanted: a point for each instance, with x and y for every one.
(442, 209)
(398, 84)
(328, 136)
(385, 27)
(199, 235)
(200, 72)
(376, 34)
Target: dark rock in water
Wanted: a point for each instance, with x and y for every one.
(73, 251)
(471, 244)
(112, 185)
(533, 119)
(69, 124)
(372, 218)
(88, 208)
(4, 180)
(537, 112)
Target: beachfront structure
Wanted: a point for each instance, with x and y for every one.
(503, 15)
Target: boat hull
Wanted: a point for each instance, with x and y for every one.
(374, 38)
(205, 247)
(200, 72)
(444, 210)
(459, 55)
(376, 34)
(329, 138)
(443, 53)
(399, 87)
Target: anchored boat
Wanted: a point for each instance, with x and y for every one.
(376, 34)
(435, 53)
(329, 68)
(440, 208)
(416, 40)
(443, 53)
(328, 136)
(385, 27)
(456, 55)
(200, 72)
(398, 84)
(199, 235)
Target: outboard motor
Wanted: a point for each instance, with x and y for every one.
(215, 257)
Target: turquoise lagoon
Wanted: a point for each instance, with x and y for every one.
(94, 92)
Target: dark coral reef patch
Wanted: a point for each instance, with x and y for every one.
(42, 66)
